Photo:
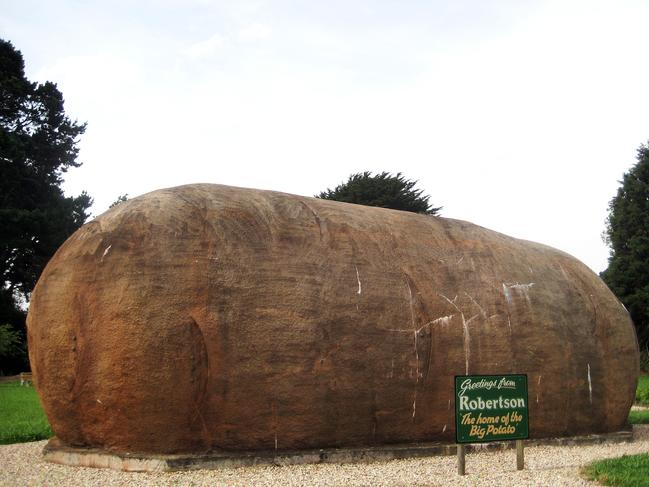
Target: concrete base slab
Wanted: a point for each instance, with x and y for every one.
(641, 431)
(56, 452)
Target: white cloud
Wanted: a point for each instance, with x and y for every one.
(205, 48)
(254, 32)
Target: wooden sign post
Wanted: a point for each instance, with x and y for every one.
(490, 408)
(520, 455)
(461, 460)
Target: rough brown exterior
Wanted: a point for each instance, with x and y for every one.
(208, 317)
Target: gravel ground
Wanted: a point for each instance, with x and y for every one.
(21, 464)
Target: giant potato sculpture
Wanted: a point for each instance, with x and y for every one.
(208, 317)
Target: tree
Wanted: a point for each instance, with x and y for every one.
(38, 144)
(120, 199)
(383, 190)
(627, 234)
(11, 345)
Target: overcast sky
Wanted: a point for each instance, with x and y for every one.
(520, 116)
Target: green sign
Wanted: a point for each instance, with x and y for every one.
(490, 408)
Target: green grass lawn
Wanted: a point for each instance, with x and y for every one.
(639, 417)
(642, 392)
(21, 416)
(626, 471)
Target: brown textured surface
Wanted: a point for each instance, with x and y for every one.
(210, 317)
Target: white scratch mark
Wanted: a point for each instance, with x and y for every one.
(484, 315)
(444, 429)
(590, 386)
(537, 398)
(416, 359)
(467, 345)
(508, 296)
(275, 441)
(523, 288)
(539, 381)
(459, 261)
(442, 320)
(412, 311)
(358, 278)
(472, 318)
(509, 323)
(414, 405)
(105, 252)
(99, 401)
(415, 331)
(563, 271)
(449, 404)
(466, 337)
(452, 303)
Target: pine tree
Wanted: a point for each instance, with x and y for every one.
(383, 190)
(38, 144)
(627, 234)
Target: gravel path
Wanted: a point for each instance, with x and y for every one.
(21, 465)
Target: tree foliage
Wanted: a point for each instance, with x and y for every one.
(384, 190)
(11, 346)
(627, 234)
(120, 199)
(38, 144)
